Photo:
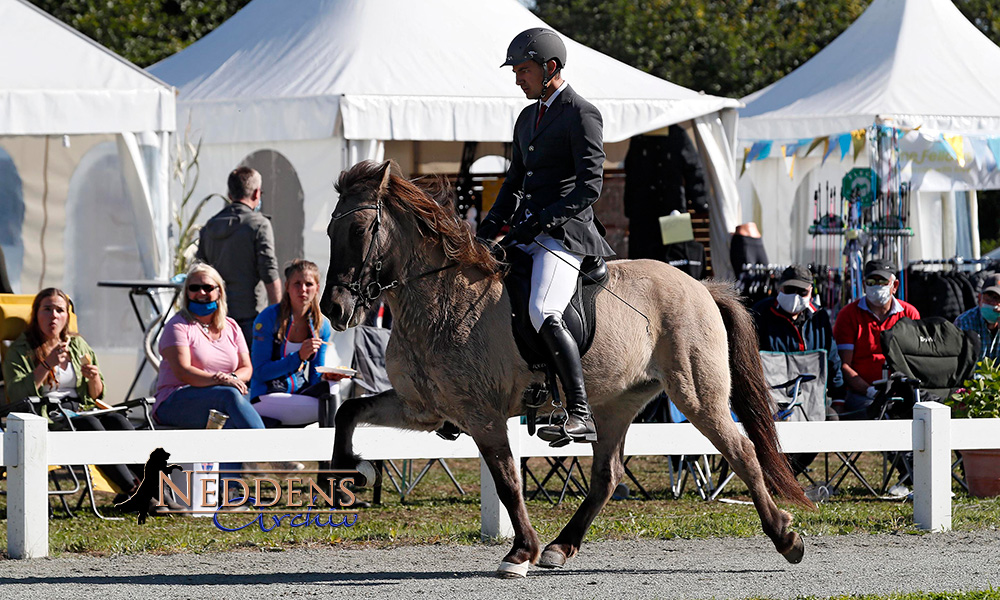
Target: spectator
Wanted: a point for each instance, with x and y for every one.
(50, 361)
(206, 363)
(790, 323)
(984, 319)
(239, 242)
(289, 342)
(858, 333)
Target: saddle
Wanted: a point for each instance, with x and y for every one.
(579, 315)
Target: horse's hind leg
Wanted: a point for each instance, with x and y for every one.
(736, 448)
(495, 449)
(606, 472)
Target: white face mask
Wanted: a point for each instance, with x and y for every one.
(879, 294)
(792, 303)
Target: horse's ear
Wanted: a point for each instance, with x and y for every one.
(386, 170)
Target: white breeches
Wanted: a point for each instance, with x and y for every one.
(553, 279)
(292, 409)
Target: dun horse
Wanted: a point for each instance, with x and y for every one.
(452, 356)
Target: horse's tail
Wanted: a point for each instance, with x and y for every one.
(750, 396)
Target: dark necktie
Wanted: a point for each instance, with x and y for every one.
(541, 112)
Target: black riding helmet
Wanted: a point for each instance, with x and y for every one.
(538, 44)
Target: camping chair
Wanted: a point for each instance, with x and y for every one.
(369, 361)
(798, 382)
(927, 360)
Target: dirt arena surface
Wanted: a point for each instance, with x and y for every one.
(712, 568)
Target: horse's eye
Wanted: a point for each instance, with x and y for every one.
(357, 230)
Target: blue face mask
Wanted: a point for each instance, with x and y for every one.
(202, 309)
(990, 313)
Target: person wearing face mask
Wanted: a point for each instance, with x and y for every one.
(858, 333)
(239, 242)
(984, 319)
(790, 322)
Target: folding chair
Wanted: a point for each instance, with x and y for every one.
(798, 382)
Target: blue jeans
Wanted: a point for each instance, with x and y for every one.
(855, 407)
(188, 408)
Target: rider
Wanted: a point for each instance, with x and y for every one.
(555, 175)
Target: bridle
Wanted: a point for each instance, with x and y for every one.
(367, 294)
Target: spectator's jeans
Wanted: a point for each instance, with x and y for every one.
(188, 408)
(855, 407)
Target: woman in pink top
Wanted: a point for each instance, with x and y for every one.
(206, 363)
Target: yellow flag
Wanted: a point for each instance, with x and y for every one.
(957, 144)
(858, 141)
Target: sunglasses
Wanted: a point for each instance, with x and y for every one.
(197, 287)
(795, 290)
(876, 282)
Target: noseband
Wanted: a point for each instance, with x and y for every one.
(367, 295)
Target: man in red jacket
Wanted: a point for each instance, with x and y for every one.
(858, 333)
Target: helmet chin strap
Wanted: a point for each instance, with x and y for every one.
(545, 80)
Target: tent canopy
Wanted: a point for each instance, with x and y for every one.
(64, 83)
(907, 63)
(395, 70)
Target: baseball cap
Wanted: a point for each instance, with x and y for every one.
(880, 267)
(796, 276)
(992, 284)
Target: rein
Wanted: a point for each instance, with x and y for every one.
(369, 293)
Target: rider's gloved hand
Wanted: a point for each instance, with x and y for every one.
(488, 229)
(526, 231)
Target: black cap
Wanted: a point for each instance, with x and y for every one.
(880, 267)
(796, 276)
(991, 284)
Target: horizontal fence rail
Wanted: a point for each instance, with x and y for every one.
(28, 448)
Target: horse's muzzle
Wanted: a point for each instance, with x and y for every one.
(338, 304)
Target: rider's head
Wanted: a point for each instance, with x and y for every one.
(537, 56)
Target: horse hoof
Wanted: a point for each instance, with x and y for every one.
(552, 559)
(796, 552)
(509, 570)
(367, 470)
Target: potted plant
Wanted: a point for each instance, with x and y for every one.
(980, 398)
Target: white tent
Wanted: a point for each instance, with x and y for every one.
(306, 89)
(83, 170)
(916, 65)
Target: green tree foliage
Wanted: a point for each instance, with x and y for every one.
(723, 47)
(142, 31)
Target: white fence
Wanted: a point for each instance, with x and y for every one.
(28, 448)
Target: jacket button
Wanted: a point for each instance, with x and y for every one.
(531, 148)
(527, 196)
(530, 173)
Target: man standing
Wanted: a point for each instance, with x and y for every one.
(555, 176)
(984, 319)
(858, 332)
(239, 242)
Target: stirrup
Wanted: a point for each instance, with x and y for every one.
(557, 437)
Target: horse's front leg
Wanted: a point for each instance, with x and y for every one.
(605, 474)
(495, 449)
(380, 409)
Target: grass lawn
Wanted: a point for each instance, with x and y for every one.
(435, 512)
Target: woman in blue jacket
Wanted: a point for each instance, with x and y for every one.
(289, 343)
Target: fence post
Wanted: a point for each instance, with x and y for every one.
(495, 520)
(932, 466)
(26, 455)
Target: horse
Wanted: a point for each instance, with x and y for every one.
(452, 356)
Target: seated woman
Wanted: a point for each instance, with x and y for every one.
(289, 341)
(50, 361)
(206, 363)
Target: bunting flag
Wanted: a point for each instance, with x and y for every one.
(994, 146)
(955, 142)
(816, 142)
(984, 157)
(746, 153)
(831, 147)
(788, 155)
(765, 151)
(845, 144)
(858, 138)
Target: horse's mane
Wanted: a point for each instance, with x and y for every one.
(432, 202)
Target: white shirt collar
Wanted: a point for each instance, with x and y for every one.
(552, 98)
(896, 306)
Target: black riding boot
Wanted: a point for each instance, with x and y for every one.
(566, 360)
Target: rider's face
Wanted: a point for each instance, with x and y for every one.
(528, 76)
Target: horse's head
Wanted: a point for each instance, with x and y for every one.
(360, 253)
